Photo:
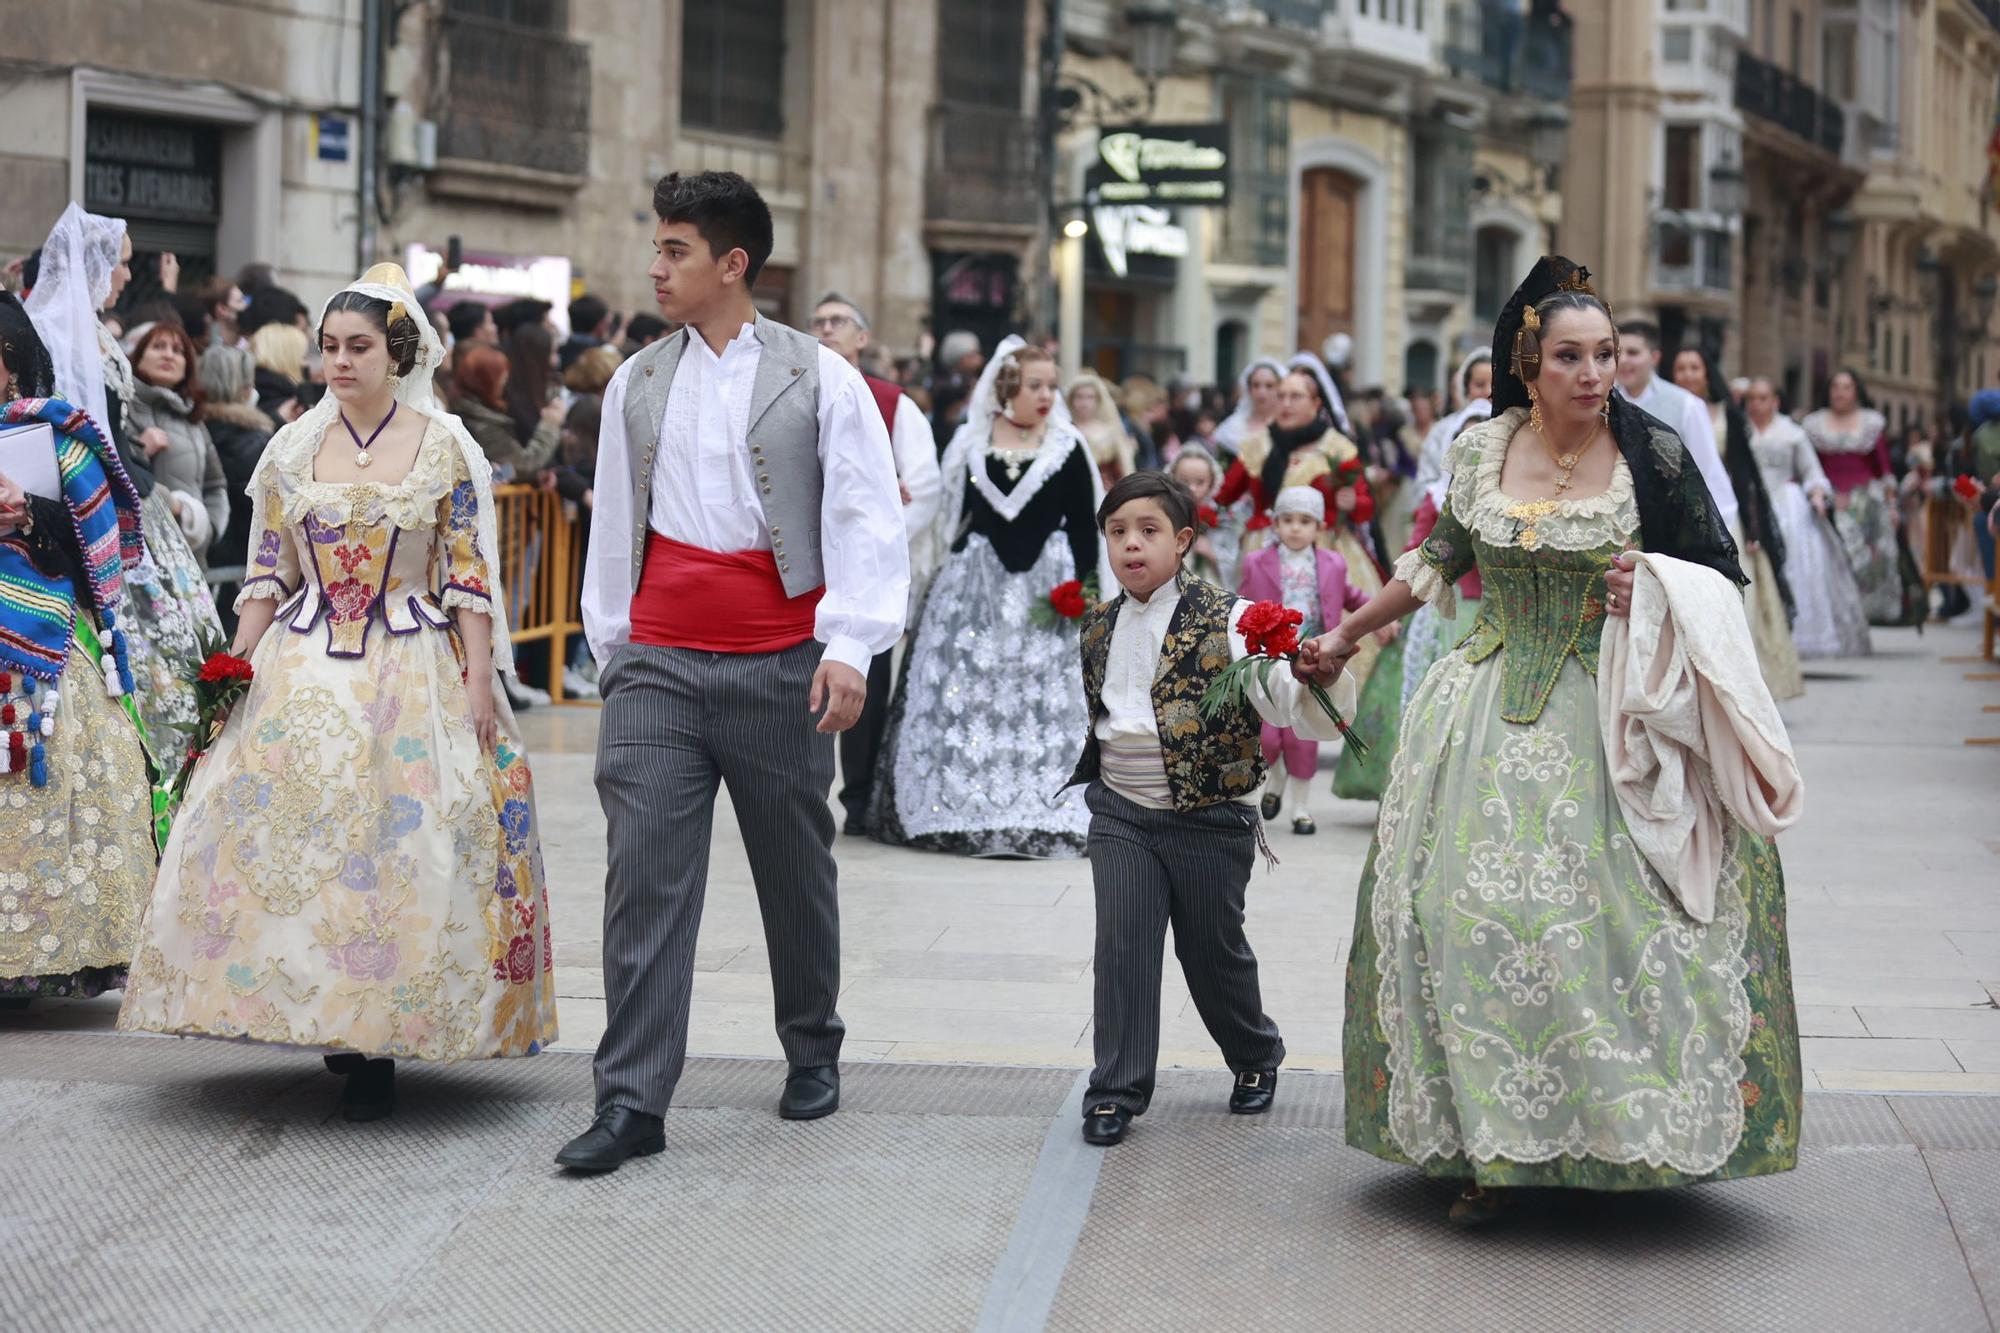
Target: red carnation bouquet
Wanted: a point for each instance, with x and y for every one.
(1258, 522)
(1066, 603)
(1967, 488)
(1270, 636)
(221, 682)
(1207, 516)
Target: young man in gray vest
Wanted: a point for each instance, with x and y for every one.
(747, 561)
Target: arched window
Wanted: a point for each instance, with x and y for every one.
(1232, 341)
(1420, 365)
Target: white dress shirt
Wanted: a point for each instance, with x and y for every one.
(705, 494)
(1688, 415)
(1133, 661)
(917, 467)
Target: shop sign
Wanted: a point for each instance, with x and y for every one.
(1161, 164)
(330, 138)
(495, 278)
(139, 167)
(1136, 229)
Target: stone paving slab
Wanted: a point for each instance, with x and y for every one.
(177, 1185)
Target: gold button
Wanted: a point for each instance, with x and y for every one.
(767, 490)
(776, 531)
(798, 370)
(784, 569)
(649, 370)
(763, 476)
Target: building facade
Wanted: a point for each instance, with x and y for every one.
(1798, 185)
(1362, 137)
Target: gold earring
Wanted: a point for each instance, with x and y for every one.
(1535, 414)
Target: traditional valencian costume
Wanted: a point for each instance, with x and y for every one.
(1529, 1002)
(984, 726)
(76, 841)
(351, 870)
(169, 612)
(1855, 464)
(1830, 619)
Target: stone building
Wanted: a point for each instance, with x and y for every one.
(1797, 184)
(894, 139)
(1391, 176)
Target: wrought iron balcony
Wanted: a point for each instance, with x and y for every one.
(1291, 13)
(513, 96)
(981, 167)
(1688, 258)
(1771, 94)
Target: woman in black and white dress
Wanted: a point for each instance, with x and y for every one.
(989, 711)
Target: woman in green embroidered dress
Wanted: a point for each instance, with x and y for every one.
(1527, 1003)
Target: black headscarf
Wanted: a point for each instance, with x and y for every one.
(1739, 460)
(1677, 516)
(26, 355)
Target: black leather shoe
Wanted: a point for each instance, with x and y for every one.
(1106, 1124)
(1253, 1092)
(370, 1093)
(618, 1132)
(1304, 824)
(811, 1091)
(1269, 806)
(344, 1062)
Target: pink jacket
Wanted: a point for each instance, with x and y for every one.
(1260, 582)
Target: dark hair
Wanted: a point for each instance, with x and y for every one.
(1480, 358)
(1861, 398)
(31, 269)
(255, 278)
(404, 340)
(642, 329)
(192, 312)
(1530, 367)
(724, 208)
(586, 312)
(1639, 328)
(522, 310)
(190, 382)
(271, 305)
(465, 318)
(27, 357)
(1159, 487)
(528, 348)
(1718, 388)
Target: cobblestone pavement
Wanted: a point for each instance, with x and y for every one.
(204, 1186)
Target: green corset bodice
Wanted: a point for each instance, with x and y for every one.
(1540, 606)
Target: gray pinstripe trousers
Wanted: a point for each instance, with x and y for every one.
(677, 723)
(1149, 868)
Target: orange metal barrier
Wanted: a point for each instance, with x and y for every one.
(541, 569)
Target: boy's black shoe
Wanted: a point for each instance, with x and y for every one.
(370, 1093)
(1304, 824)
(1253, 1092)
(1106, 1124)
(1268, 807)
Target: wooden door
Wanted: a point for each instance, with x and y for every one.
(1328, 205)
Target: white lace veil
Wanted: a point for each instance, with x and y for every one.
(1230, 434)
(74, 283)
(1335, 404)
(387, 282)
(968, 444)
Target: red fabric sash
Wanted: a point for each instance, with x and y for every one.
(887, 395)
(717, 601)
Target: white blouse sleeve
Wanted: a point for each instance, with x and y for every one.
(1282, 700)
(863, 546)
(607, 566)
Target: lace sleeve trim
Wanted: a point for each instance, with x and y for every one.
(1426, 582)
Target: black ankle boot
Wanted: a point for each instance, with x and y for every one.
(370, 1093)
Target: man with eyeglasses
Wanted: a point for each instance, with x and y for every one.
(842, 328)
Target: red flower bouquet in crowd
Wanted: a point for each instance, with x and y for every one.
(1067, 602)
(1347, 473)
(1206, 517)
(1967, 487)
(222, 680)
(1258, 522)
(1270, 636)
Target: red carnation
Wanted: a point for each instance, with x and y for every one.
(1067, 599)
(1207, 516)
(1966, 486)
(1257, 523)
(222, 666)
(1269, 629)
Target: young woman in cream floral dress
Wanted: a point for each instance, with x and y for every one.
(356, 867)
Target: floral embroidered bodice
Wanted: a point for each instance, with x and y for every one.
(353, 555)
(1542, 562)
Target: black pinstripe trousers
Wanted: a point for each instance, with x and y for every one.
(1149, 868)
(678, 723)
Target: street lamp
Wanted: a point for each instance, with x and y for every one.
(1076, 229)
(1153, 41)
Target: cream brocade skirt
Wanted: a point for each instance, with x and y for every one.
(350, 870)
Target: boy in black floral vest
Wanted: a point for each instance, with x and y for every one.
(1174, 827)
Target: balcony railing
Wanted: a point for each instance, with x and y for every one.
(1690, 259)
(1507, 49)
(982, 166)
(1771, 94)
(514, 96)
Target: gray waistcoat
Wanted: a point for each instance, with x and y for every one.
(784, 444)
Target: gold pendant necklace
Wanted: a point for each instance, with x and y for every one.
(1566, 462)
